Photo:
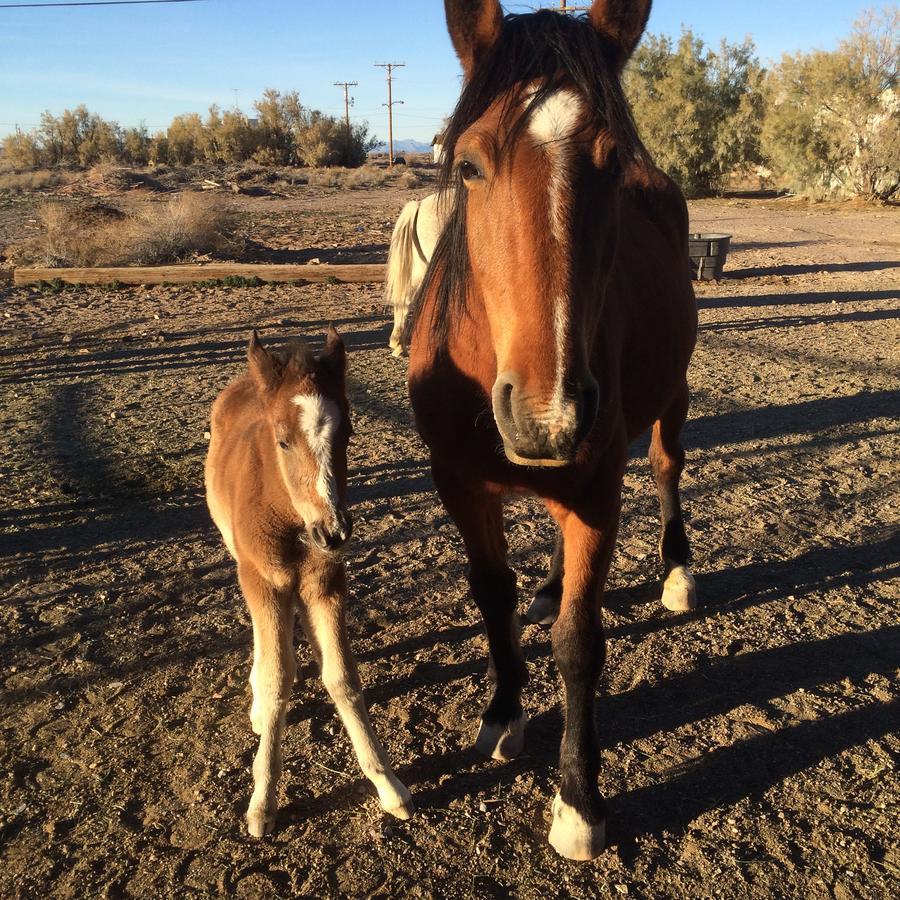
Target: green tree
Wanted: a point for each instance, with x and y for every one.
(697, 110)
(832, 126)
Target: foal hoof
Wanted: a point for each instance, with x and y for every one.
(543, 610)
(396, 800)
(680, 590)
(572, 836)
(260, 820)
(501, 741)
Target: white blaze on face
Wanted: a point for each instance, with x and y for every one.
(319, 421)
(553, 126)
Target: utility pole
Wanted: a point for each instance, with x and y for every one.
(346, 85)
(390, 105)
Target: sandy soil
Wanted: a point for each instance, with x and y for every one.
(750, 749)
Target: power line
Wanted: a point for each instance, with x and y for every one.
(390, 105)
(93, 3)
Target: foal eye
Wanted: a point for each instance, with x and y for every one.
(283, 445)
(469, 170)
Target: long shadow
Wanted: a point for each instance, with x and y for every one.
(134, 508)
(746, 769)
(151, 357)
(817, 416)
(863, 315)
(359, 253)
(812, 268)
(807, 298)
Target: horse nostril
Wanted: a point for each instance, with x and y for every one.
(588, 404)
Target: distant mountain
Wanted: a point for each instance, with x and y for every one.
(406, 146)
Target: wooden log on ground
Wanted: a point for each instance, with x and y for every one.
(188, 274)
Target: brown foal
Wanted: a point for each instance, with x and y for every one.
(276, 485)
(554, 325)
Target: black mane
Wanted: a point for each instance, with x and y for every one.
(553, 50)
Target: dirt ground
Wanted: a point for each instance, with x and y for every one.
(750, 749)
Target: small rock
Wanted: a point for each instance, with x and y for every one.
(207, 435)
(621, 888)
(482, 807)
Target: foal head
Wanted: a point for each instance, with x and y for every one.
(538, 143)
(308, 422)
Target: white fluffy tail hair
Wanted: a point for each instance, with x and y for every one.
(400, 285)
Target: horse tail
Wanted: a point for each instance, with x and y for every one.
(399, 288)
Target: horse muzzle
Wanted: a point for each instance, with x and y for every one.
(550, 437)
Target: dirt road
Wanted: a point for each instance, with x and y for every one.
(750, 748)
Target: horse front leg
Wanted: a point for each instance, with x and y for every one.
(271, 678)
(579, 817)
(478, 515)
(323, 614)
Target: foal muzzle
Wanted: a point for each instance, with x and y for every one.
(333, 538)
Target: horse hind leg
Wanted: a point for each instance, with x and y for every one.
(544, 608)
(667, 461)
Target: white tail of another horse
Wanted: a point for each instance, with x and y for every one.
(412, 244)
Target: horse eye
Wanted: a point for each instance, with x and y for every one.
(283, 445)
(469, 170)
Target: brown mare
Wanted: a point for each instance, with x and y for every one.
(554, 326)
(276, 485)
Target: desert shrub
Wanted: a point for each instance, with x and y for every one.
(366, 177)
(283, 133)
(333, 177)
(21, 150)
(832, 126)
(697, 110)
(409, 179)
(156, 233)
(33, 180)
(175, 230)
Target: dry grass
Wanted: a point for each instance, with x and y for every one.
(155, 233)
(366, 177)
(37, 180)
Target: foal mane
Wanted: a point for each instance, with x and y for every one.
(553, 51)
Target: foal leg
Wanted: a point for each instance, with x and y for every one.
(667, 462)
(271, 677)
(479, 517)
(545, 607)
(579, 817)
(322, 599)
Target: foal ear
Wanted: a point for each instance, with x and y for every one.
(334, 357)
(262, 366)
(623, 22)
(474, 25)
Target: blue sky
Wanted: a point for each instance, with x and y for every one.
(149, 63)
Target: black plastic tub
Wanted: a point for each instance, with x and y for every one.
(707, 253)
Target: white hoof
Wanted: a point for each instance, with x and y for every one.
(543, 610)
(680, 590)
(396, 799)
(260, 820)
(573, 837)
(503, 742)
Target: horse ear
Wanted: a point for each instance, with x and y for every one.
(334, 357)
(474, 25)
(623, 22)
(262, 366)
